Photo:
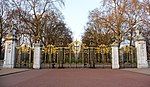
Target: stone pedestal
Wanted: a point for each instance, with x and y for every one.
(141, 54)
(140, 45)
(115, 56)
(9, 57)
(37, 56)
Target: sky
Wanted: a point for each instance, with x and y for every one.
(76, 15)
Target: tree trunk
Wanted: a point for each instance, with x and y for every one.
(1, 38)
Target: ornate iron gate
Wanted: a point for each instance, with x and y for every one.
(71, 57)
(103, 56)
(24, 57)
(128, 57)
(67, 57)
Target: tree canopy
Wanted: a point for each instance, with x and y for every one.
(36, 20)
(117, 20)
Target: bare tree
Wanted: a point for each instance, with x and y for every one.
(118, 17)
(39, 20)
(4, 7)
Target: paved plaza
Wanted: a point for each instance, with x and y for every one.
(76, 78)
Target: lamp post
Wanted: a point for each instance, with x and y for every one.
(91, 52)
(61, 51)
(61, 40)
(91, 41)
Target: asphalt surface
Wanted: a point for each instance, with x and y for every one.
(75, 78)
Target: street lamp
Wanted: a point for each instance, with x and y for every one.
(61, 50)
(13, 31)
(91, 41)
(91, 52)
(61, 40)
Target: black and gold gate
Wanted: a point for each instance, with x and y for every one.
(65, 57)
(24, 56)
(128, 57)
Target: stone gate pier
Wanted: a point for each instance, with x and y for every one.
(140, 45)
(9, 57)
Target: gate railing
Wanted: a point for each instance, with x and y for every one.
(128, 57)
(103, 55)
(63, 57)
(24, 56)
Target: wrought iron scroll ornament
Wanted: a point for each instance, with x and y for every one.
(76, 46)
(49, 49)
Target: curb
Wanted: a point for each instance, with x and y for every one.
(136, 72)
(14, 72)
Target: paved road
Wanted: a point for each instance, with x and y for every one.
(75, 78)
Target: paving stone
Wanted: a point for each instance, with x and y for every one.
(75, 78)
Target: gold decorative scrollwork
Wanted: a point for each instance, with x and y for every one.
(50, 49)
(128, 49)
(103, 49)
(23, 48)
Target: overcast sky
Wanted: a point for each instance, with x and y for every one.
(76, 14)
